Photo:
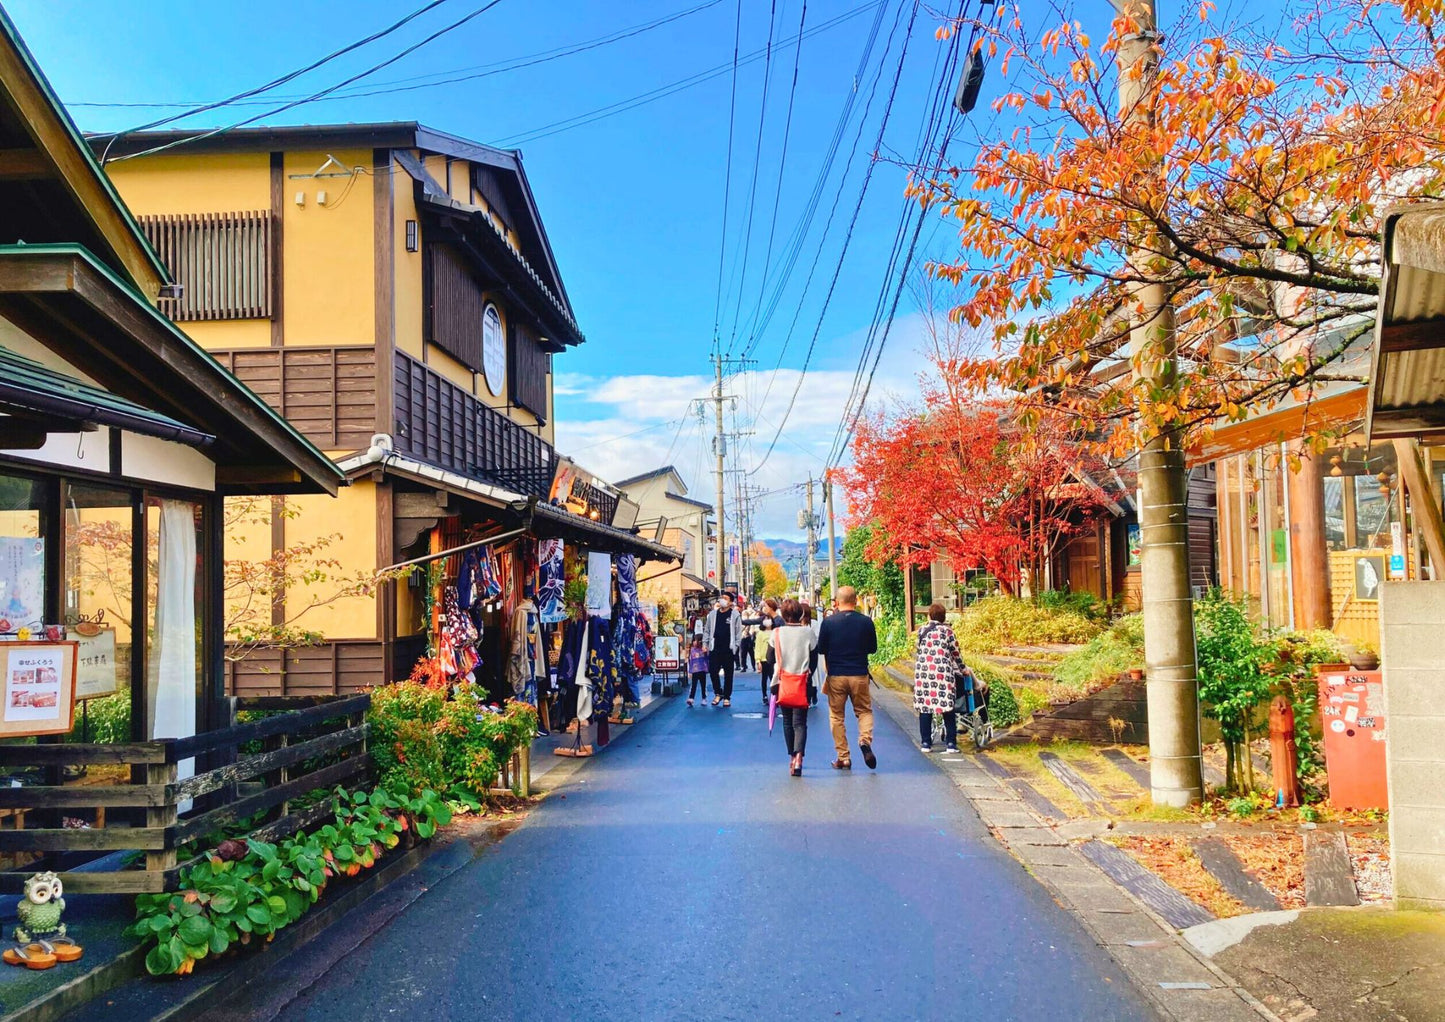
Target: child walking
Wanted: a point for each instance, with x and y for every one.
(697, 667)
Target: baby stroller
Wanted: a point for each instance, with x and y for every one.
(971, 708)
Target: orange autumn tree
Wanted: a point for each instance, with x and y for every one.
(970, 484)
(1248, 179)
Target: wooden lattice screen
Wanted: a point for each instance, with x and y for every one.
(221, 260)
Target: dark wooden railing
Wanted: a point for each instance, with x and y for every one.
(439, 422)
(303, 750)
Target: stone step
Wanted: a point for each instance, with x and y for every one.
(1221, 863)
(1121, 867)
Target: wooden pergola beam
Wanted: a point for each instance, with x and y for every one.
(1422, 502)
(23, 165)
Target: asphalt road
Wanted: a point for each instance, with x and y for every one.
(686, 876)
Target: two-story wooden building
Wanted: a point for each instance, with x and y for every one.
(391, 290)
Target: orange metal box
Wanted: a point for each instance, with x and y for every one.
(1352, 707)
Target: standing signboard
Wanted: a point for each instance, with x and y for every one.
(38, 693)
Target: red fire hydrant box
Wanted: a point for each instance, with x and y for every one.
(1352, 707)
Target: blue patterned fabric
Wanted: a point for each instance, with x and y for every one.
(551, 582)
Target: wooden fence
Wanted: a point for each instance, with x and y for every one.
(301, 750)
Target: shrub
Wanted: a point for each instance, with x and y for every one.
(1086, 605)
(1233, 677)
(997, 621)
(894, 642)
(106, 720)
(1003, 707)
(1107, 655)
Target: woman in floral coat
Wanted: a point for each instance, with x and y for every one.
(935, 677)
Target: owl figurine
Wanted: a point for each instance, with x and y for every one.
(39, 910)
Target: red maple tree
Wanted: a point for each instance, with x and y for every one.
(978, 485)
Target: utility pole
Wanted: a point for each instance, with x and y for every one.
(812, 543)
(1175, 763)
(832, 541)
(720, 449)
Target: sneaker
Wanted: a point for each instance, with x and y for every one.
(950, 748)
(542, 732)
(689, 702)
(868, 756)
(925, 748)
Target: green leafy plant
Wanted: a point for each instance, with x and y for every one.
(1086, 605)
(1233, 678)
(1106, 656)
(244, 892)
(998, 621)
(105, 721)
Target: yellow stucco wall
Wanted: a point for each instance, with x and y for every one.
(224, 183)
(407, 285)
(247, 538)
(328, 282)
(349, 521)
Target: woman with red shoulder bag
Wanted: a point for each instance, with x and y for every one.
(792, 652)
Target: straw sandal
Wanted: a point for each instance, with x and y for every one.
(37, 956)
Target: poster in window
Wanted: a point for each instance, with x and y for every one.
(1369, 573)
(1136, 545)
(22, 582)
(494, 350)
(39, 688)
(95, 671)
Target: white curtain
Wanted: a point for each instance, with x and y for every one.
(171, 668)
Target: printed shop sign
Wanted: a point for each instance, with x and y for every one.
(666, 653)
(39, 687)
(95, 673)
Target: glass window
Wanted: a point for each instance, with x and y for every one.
(99, 607)
(23, 535)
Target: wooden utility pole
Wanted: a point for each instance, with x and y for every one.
(1175, 760)
(812, 544)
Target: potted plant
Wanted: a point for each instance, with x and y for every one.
(1364, 658)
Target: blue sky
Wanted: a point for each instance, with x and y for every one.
(633, 202)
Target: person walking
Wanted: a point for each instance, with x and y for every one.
(723, 635)
(762, 639)
(697, 669)
(815, 678)
(745, 651)
(792, 656)
(936, 671)
(847, 638)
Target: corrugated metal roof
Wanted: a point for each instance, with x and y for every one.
(1407, 378)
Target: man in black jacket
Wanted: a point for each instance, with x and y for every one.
(845, 640)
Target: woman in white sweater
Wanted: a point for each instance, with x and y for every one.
(792, 651)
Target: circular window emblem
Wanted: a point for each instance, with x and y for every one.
(494, 350)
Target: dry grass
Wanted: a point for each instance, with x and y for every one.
(1276, 860)
(1173, 860)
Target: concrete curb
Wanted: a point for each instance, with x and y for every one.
(1178, 980)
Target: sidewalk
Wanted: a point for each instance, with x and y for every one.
(544, 755)
(1335, 965)
(1318, 964)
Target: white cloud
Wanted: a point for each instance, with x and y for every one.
(647, 422)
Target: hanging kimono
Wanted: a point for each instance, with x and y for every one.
(586, 665)
(457, 645)
(552, 581)
(624, 630)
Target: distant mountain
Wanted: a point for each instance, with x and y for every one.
(792, 551)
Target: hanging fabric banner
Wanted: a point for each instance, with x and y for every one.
(599, 584)
(551, 582)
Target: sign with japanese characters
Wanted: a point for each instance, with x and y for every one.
(667, 656)
(95, 672)
(38, 697)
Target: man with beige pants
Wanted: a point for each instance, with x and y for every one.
(846, 639)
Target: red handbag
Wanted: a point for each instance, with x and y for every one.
(792, 688)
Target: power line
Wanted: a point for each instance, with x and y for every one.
(757, 159)
(876, 341)
(663, 91)
(290, 76)
(324, 92)
(852, 224)
(727, 180)
(782, 169)
(449, 77)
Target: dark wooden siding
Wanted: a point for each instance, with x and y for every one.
(338, 667)
(1203, 573)
(221, 260)
(454, 305)
(329, 394)
(528, 367)
(439, 422)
